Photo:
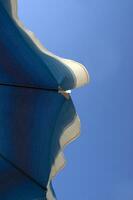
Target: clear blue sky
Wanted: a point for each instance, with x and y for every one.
(99, 34)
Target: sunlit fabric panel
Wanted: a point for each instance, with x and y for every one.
(31, 124)
(24, 61)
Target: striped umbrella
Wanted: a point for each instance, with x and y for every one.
(37, 115)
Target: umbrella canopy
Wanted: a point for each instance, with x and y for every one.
(37, 114)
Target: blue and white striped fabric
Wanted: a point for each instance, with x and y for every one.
(37, 116)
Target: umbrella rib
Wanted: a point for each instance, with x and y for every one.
(22, 172)
(28, 87)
